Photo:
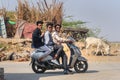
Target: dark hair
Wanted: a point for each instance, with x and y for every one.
(57, 25)
(39, 22)
(49, 24)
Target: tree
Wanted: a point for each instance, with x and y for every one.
(72, 23)
(94, 32)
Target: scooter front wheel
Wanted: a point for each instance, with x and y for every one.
(37, 69)
(81, 66)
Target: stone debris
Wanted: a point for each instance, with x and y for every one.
(15, 49)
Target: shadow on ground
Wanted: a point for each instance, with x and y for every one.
(30, 76)
(33, 76)
(92, 71)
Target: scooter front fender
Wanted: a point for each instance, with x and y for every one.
(82, 58)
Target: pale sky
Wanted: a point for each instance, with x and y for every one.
(103, 14)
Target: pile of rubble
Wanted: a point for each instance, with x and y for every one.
(20, 49)
(15, 49)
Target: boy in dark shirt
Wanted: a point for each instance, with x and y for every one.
(37, 42)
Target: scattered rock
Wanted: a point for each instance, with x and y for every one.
(2, 56)
(1, 49)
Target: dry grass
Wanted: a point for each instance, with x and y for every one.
(42, 11)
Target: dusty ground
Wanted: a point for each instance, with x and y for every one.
(100, 68)
(96, 71)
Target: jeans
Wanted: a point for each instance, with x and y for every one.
(43, 51)
(61, 53)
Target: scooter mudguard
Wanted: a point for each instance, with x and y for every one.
(82, 59)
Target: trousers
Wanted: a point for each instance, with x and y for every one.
(61, 53)
(41, 52)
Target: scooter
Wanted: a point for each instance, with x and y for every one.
(77, 62)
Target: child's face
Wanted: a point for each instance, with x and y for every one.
(50, 28)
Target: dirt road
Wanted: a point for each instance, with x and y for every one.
(96, 71)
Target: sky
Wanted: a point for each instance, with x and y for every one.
(102, 14)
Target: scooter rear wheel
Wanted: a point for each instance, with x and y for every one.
(37, 69)
(81, 66)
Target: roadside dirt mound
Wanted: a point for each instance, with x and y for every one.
(20, 50)
(15, 49)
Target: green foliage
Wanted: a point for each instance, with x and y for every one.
(94, 32)
(72, 23)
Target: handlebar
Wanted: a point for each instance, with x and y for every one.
(71, 40)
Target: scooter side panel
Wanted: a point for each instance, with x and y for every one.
(82, 58)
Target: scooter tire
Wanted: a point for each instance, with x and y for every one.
(81, 66)
(37, 69)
